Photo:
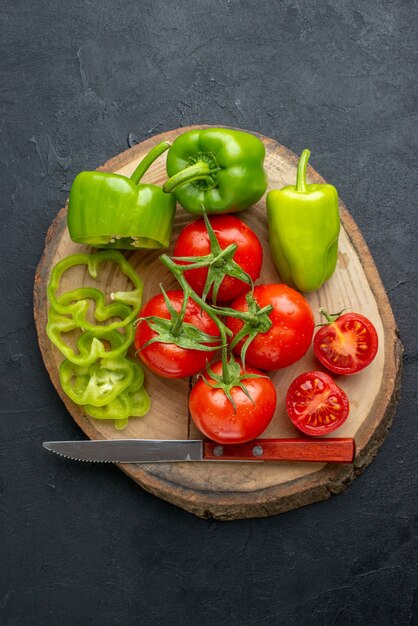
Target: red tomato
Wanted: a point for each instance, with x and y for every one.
(346, 345)
(290, 335)
(316, 405)
(194, 241)
(167, 359)
(214, 415)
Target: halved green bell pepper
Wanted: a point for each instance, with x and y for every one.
(218, 169)
(304, 224)
(107, 210)
(77, 302)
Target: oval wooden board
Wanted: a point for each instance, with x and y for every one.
(241, 490)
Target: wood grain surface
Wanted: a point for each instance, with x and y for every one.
(241, 490)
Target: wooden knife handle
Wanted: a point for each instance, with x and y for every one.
(336, 450)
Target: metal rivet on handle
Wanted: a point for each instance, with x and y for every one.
(258, 450)
(218, 450)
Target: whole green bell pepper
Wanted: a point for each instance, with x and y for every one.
(107, 210)
(304, 224)
(218, 169)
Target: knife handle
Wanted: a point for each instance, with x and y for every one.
(333, 450)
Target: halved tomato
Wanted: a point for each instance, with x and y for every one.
(316, 405)
(347, 344)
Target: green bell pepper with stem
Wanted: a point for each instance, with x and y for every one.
(304, 224)
(219, 169)
(107, 210)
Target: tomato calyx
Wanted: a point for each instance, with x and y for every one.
(232, 376)
(176, 331)
(256, 320)
(220, 263)
(330, 317)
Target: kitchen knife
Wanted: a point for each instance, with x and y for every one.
(333, 450)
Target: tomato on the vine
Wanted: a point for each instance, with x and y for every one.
(290, 334)
(347, 344)
(316, 404)
(217, 418)
(168, 359)
(194, 241)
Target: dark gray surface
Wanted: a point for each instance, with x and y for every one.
(83, 544)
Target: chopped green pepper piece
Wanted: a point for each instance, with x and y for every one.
(96, 384)
(90, 348)
(77, 302)
(108, 210)
(304, 224)
(216, 169)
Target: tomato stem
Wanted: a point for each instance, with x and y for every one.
(190, 293)
(330, 317)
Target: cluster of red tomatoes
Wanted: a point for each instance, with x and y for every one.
(315, 404)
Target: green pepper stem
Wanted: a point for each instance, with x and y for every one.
(198, 171)
(301, 175)
(149, 160)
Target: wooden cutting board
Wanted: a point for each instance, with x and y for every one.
(240, 490)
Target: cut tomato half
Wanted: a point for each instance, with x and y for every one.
(316, 405)
(346, 345)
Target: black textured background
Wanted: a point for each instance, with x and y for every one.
(81, 79)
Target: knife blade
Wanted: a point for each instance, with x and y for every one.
(332, 450)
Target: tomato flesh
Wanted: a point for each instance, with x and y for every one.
(316, 405)
(194, 241)
(168, 359)
(347, 345)
(214, 415)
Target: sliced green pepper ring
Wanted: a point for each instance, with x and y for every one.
(98, 383)
(128, 404)
(125, 305)
(138, 379)
(90, 347)
(140, 402)
(118, 409)
(133, 402)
